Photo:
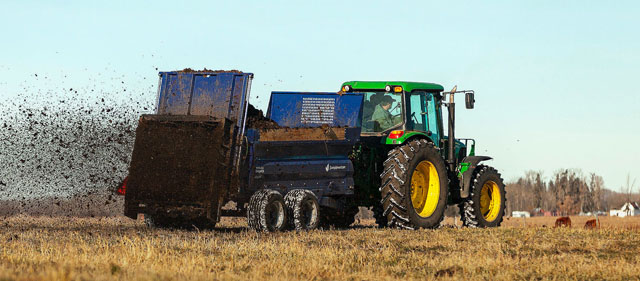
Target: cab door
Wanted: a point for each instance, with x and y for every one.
(423, 114)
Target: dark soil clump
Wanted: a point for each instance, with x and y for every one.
(257, 120)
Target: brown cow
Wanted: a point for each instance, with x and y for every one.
(592, 224)
(563, 221)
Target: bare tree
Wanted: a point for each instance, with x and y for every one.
(596, 184)
(568, 192)
(629, 187)
(534, 182)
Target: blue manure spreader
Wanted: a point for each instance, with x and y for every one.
(205, 147)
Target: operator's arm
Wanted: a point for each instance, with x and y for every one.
(385, 120)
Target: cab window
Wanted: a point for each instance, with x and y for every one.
(381, 111)
(418, 112)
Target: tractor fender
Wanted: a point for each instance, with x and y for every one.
(407, 137)
(466, 174)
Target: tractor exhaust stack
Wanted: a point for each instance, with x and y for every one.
(452, 120)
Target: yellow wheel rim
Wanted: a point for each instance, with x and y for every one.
(490, 201)
(425, 189)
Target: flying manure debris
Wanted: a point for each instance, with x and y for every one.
(64, 152)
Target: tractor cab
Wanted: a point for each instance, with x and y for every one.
(400, 110)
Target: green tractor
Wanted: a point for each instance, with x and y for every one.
(408, 170)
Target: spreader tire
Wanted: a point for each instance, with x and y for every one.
(486, 204)
(303, 210)
(266, 211)
(253, 209)
(414, 186)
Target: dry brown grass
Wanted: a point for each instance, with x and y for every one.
(631, 223)
(41, 248)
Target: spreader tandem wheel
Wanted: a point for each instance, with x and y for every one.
(414, 186)
(485, 206)
(267, 211)
(302, 209)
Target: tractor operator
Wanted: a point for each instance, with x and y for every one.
(381, 113)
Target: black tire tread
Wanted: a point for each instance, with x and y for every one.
(293, 201)
(253, 210)
(468, 214)
(394, 176)
(262, 214)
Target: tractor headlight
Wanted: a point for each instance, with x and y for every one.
(387, 88)
(346, 88)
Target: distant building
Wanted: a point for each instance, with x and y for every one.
(594, 213)
(628, 209)
(520, 214)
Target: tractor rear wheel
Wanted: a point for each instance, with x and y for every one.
(302, 209)
(267, 211)
(414, 186)
(486, 204)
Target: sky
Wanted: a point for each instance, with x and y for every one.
(554, 80)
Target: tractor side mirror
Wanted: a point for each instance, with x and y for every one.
(469, 100)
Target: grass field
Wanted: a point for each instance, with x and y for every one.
(42, 248)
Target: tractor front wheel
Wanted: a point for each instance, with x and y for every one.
(414, 186)
(485, 206)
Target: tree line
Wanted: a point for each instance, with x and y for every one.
(567, 192)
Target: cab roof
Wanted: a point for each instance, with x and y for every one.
(380, 85)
